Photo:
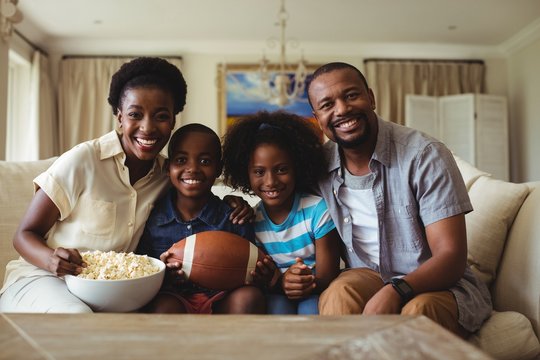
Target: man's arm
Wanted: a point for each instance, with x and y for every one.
(447, 239)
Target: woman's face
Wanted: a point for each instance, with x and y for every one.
(146, 117)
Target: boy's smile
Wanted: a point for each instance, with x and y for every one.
(193, 168)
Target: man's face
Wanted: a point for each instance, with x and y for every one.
(344, 107)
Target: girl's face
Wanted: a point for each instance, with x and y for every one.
(272, 177)
(146, 116)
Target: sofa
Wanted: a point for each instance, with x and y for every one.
(503, 239)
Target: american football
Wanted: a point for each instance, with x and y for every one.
(216, 260)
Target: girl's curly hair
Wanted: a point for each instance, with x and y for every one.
(148, 72)
(288, 131)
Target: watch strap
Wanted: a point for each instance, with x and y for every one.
(403, 288)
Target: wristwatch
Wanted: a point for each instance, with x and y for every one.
(404, 290)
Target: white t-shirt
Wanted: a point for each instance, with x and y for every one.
(99, 209)
(357, 196)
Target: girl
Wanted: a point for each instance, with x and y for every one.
(98, 195)
(279, 157)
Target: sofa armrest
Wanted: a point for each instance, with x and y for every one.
(517, 286)
(16, 192)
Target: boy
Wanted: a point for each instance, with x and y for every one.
(190, 207)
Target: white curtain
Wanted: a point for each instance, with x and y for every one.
(84, 112)
(32, 127)
(391, 80)
(43, 108)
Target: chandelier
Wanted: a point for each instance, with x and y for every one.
(278, 84)
(9, 15)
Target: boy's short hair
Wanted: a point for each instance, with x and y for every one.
(190, 128)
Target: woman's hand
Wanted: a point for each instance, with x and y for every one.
(65, 262)
(242, 211)
(174, 275)
(298, 281)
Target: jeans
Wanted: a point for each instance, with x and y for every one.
(281, 305)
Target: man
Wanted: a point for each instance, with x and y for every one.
(399, 203)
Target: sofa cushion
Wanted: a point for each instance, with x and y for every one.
(17, 190)
(468, 172)
(507, 335)
(495, 204)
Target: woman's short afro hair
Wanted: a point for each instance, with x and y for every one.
(148, 72)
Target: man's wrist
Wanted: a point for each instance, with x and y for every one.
(404, 290)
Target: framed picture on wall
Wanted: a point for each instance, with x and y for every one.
(240, 93)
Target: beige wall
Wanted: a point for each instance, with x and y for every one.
(524, 105)
(200, 70)
(4, 52)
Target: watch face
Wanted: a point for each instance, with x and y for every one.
(402, 285)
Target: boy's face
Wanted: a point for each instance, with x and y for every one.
(194, 165)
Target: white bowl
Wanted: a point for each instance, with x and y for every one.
(117, 295)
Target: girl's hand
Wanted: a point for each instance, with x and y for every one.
(65, 262)
(265, 272)
(242, 211)
(174, 274)
(298, 281)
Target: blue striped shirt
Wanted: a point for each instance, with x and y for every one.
(307, 221)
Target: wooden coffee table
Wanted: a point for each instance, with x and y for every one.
(144, 336)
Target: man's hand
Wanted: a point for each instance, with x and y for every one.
(385, 301)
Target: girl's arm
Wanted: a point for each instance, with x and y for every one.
(327, 259)
(29, 239)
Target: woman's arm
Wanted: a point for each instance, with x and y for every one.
(29, 239)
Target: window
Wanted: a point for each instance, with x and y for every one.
(21, 143)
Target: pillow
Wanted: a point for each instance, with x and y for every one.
(507, 335)
(495, 204)
(469, 173)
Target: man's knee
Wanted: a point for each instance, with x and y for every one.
(341, 298)
(440, 307)
(431, 305)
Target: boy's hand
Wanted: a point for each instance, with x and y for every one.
(65, 262)
(174, 274)
(298, 281)
(242, 211)
(264, 272)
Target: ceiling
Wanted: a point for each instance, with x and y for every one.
(185, 23)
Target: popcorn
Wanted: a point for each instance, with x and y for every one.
(116, 266)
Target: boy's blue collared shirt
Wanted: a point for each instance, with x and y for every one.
(165, 227)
